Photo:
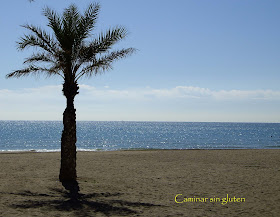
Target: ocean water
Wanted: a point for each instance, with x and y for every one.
(92, 136)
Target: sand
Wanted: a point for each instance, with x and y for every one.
(144, 183)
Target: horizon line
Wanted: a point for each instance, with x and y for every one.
(245, 122)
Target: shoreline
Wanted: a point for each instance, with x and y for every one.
(144, 183)
(118, 150)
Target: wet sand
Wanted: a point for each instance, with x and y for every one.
(144, 183)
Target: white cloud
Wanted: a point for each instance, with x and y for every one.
(106, 93)
(179, 92)
(184, 103)
(243, 94)
(40, 95)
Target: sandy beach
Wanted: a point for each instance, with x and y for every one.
(144, 183)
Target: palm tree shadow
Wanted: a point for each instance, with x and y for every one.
(80, 204)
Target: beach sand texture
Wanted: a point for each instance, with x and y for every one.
(144, 183)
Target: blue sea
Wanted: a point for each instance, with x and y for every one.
(45, 136)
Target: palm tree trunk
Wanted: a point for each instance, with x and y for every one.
(68, 172)
(68, 145)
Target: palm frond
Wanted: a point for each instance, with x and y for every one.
(32, 69)
(70, 19)
(55, 22)
(106, 40)
(88, 20)
(31, 41)
(43, 37)
(103, 43)
(104, 62)
(40, 57)
(115, 55)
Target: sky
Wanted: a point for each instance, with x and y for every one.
(196, 61)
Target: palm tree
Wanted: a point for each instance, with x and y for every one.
(70, 53)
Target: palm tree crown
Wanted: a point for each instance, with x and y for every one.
(67, 53)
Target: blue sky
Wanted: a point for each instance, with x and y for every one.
(197, 60)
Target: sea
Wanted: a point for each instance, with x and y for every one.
(44, 136)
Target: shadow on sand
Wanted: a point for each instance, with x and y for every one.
(79, 204)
